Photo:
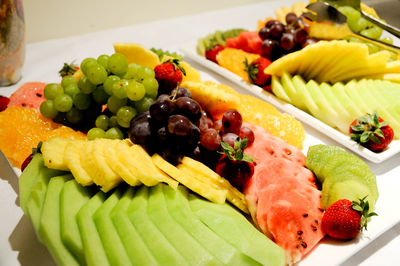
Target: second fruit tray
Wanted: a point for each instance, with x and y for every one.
(189, 51)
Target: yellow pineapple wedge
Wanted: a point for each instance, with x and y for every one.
(72, 158)
(112, 155)
(200, 187)
(234, 196)
(211, 98)
(53, 153)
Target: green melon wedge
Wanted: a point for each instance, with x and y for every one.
(108, 234)
(291, 91)
(136, 249)
(304, 95)
(179, 209)
(278, 90)
(188, 247)
(339, 91)
(92, 246)
(73, 197)
(160, 247)
(28, 179)
(232, 226)
(348, 189)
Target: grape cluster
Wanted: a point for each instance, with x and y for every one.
(279, 39)
(170, 127)
(105, 100)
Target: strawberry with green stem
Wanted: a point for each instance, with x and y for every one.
(345, 219)
(372, 132)
(234, 164)
(68, 69)
(255, 71)
(169, 75)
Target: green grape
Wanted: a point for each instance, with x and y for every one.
(118, 64)
(109, 82)
(125, 115)
(86, 63)
(373, 33)
(85, 85)
(372, 48)
(113, 121)
(131, 73)
(114, 133)
(114, 103)
(352, 16)
(48, 109)
(74, 116)
(362, 23)
(96, 74)
(95, 133)
(63, 103)
(100, 96)
(151, 87)
(52, 90)
(144, 104)
(68, 80)
(102, 121)
(119, 88)
(145, 72)
(82, 101)
(72, 90)
(387, 40)
(103, 60)
(135, 90)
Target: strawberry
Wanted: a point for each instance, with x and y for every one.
(345, 219)
(169, 75)
(68, 69)
(234, 165)
(255, 71)
(29, 158)
(372, 132)
(211, 54)
(4, 103)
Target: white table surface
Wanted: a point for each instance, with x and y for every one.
(18, 244)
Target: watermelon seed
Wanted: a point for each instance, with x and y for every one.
(305, 215)
(299, 232)
(304, 244)
(314, 228)
(316, 222)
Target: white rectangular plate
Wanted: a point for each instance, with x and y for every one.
(189, 51)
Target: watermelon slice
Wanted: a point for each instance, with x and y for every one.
(247, 41)
(283, 198)
(29, 95)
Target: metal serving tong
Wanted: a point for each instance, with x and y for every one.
(322, 11)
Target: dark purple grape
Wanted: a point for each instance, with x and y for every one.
(194, 138)
(300, 36)
(162, 134)
(140, 132)
(287, 41)
(179, 125)
(291, 17)
(265, 33)
(182, 92)
(309, 41)
(231, 122)
(271, 22)
(141, 117)
(210, 139)
(188, 107)
(276, 30)
(230, 138)
(171, 154)
(290, 29)
(270, 49)
(162, 108)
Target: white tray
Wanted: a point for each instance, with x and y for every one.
(189, 51)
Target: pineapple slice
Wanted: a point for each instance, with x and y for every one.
(112, 156)
(53, 153)
(234, 196)
(212, 98)
(72, 158)
(200, 187)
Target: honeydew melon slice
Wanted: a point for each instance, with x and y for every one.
(304, 95)
(233, 227)
(348, 189)
(339, 91)
(179, 209)
(73, 196)
(136, 249)
(183, 242)
(162, 250)
(94, 250)
(291, 91)
(112, 243)
(49, 229)
(278, 90)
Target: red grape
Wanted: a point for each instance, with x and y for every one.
(230, 138)
(246, 132)
(300, 36)
(265, 33)
(276, 30)
(179, 125)
(188, 107)
(162, 108)
(270, 49)
(287, 41)
(217, 125)
(231, 121)
(210, 139)
(291, 17)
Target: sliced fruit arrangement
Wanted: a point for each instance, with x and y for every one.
(217, 38)
(84, 226)
(339, 105)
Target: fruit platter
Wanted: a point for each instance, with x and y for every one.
(131, 155)
(276, 62)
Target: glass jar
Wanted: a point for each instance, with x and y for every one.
(12, 41)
